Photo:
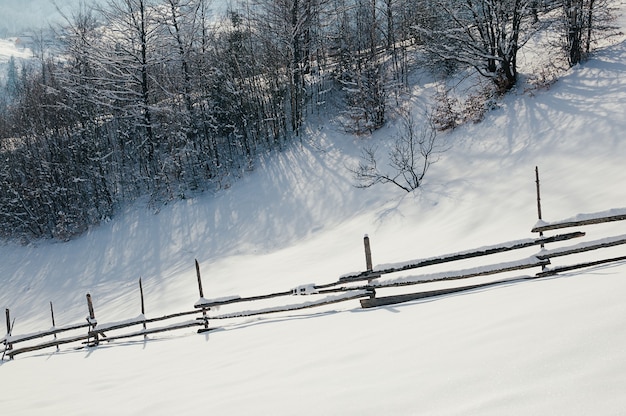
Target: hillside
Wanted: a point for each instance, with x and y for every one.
(550, 346)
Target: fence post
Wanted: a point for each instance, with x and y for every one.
(8, 316)
(368, 260)
(143, 308)
(92, 319)
(8, 345)
(368, 253)
(53, 323)
(204, 315)
(539, 216)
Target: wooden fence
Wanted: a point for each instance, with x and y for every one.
(361, 285)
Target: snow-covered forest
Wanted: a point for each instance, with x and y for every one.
(165, 98)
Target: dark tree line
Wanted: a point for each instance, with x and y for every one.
(162, 98)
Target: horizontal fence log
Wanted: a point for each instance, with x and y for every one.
(581, 248)
(28, 337)
(53, 343)
(395, 299)
(144, 332)
(98, 330)
(91, 334)
(440, 277)
(340, 291)
(237, 299)
(111, 327)
(461, 274)
(101, 329)
(367, 275)
(357, 294)
(559, 269)
(585, 219)
(170, 316)
(485, 251)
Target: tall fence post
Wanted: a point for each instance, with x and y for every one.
(8, 345)
(143, 308)
(92, 320)
(539, 215)
(368, 253)
(204, 310)
(53, 323)
(7, 313)
(368, 260)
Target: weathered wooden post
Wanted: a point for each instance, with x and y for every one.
(92, 320)
(539, 216)
(368, 260)
(204, 310)
(368, 253)
(7, 343)
(7, 312)
(53, 323)
(143, 308)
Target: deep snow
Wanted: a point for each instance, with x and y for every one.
(547, 346)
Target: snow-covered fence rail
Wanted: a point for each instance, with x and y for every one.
(541, 259)
(341, 290)
(447, 258)
(373, 274)
(357, 285)
(582, 219)
(579, 221)
(97, 333)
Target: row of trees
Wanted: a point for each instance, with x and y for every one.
(162, 98)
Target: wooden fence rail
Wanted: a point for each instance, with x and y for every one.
(357, 285)
(484, 251)
(344, 286)
(584, 219)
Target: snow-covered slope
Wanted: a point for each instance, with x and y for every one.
(550, 346)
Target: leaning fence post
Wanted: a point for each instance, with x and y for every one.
(368, 260)
(92, 320)
(204, 315)
(53, 323)
(143, 307)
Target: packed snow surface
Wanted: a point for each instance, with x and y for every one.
(545, 346)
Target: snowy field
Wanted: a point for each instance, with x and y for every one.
(8, 49)
(552, 346)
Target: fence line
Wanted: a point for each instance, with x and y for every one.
(344, 288)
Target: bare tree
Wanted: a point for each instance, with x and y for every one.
(585, 21)
(410, 156)
(483, 34)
